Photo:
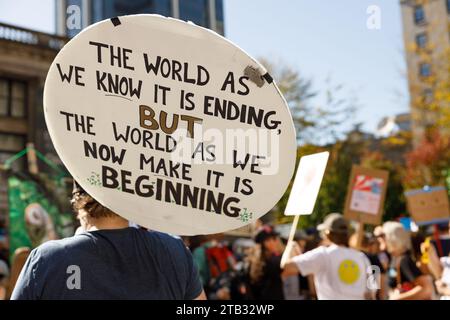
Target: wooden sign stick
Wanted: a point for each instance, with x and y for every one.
(287, 250)
(360, 235)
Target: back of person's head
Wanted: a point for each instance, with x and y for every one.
(398, 239)
(264, 233)
(83, 203)
(336, 228)
(443, 228)
(363, 242)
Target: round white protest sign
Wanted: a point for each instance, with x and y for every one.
(169, 125)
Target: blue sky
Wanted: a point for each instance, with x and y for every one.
(320, 38)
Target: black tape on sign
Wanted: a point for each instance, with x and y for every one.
(268, 78)
(115, 21)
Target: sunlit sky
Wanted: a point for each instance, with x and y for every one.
(320, 38)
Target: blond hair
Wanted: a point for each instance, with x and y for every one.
(397, 237)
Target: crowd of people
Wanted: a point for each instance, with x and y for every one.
(333, 261)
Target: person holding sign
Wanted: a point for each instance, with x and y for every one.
(339, 271)
(110, 260)
(149, 138)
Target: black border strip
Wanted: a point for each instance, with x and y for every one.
(115, 21)
(268, 78)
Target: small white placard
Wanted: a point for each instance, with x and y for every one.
(306, 184)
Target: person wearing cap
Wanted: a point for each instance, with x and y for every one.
(339, 271)
(109, 260)
(264, 270)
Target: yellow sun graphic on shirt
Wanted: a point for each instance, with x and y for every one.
(348, 271)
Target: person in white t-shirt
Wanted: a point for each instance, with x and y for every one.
(339, 271)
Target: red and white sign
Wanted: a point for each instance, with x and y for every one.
(366, 194)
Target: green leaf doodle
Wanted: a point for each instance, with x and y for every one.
(94, 179)
(245, 216)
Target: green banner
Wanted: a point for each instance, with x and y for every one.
(33, 217)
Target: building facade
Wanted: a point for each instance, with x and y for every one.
(426, 33)
(205, 13)
(25, 57)
(392, 125)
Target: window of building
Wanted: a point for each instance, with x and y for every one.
(219, 17)
(428, 95)
(104, 9)
(18, 102)
(124, 7)
(3, 98)
(11, 143)
(448, 6)
(421, 40)
(13, 98)
(196, 11)
(419, 14)
(425, 69)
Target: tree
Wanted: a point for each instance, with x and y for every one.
(297, 91)
(337, 110)
(316, 125)
(354, 148)
(313, 122)
(427, 163)
(331, 197)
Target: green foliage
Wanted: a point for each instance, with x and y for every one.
(333, 191)
(297, 91)
(314, 123)
(317, 124)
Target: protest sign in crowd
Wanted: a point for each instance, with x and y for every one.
(173, 136)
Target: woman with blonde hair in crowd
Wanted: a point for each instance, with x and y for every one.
(405, 278)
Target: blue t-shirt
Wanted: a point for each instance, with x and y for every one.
(125, 263)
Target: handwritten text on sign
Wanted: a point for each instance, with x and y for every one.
(158, 121)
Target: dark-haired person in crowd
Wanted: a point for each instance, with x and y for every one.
(382, 253)
(369, 245)
(110, 260)
(406, 280)
(339, 271)
(264, 265)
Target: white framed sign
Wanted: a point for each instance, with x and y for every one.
(169, 125)
(307, 184)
